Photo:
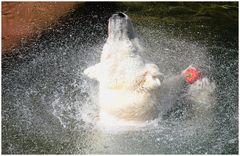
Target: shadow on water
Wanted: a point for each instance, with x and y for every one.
(45, 97)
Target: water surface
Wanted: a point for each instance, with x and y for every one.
(47, 103)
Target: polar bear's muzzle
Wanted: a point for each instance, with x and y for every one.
(120, 27)
(120, 14)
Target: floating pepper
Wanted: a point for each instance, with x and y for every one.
(191, 75)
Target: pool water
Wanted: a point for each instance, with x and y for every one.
(48, 105)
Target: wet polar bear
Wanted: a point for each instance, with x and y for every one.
(129, 88)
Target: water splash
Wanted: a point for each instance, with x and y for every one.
(48, 105)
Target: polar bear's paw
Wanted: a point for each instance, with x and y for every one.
(88, 72)
(202, 91)
(91, 72)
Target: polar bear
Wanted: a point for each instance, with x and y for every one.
(129, 87)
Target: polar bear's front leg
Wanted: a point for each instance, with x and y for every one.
(93, 71)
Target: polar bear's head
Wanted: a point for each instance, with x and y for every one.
(122, 38)
(122, 57)
(120, 27)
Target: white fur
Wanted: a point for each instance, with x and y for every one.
(127, 85)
